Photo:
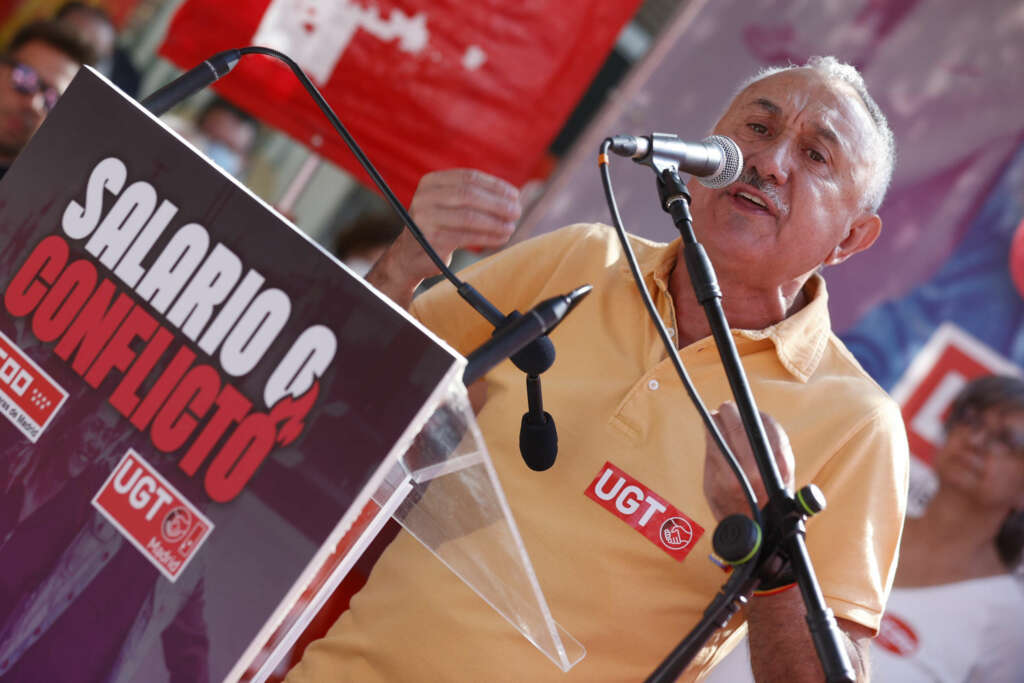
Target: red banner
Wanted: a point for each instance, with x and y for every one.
(421, 84)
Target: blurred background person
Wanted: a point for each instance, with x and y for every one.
(360, 244)
(957, 608)
(222, 132)
(96, 29)
(956, 611)
(227, 135)
(35, 69)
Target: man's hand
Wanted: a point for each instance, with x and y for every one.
(454, 208)
(781, 649)
(721, 488)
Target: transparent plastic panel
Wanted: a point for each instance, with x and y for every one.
(456, 508)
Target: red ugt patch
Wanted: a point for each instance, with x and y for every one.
(645, 511)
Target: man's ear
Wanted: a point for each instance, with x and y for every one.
(863, 233)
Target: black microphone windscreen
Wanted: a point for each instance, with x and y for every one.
(538, 442)
(535, 357)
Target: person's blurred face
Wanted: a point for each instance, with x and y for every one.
(808, 147)
(227, 139)
(30, 79)
(984, 456)
(97, 34)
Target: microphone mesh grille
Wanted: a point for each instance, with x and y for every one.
(732, 163)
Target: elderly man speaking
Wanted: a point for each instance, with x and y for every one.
(818, 158)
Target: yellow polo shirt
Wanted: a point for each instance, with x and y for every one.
(616, 398)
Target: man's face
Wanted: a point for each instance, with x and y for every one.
(21, 113)
(808, 148)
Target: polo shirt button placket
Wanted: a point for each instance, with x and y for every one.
(653, 385)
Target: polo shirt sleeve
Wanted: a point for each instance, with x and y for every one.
(854, 542)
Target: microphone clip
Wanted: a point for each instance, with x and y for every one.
(538, 437)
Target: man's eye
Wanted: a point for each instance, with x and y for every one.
(758, 128)
(816, 156)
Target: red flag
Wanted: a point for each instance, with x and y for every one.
(421, 84)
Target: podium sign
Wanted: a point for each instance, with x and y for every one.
(199, 403)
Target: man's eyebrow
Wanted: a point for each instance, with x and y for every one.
(773, 109)
(827, 134)
(767, 105)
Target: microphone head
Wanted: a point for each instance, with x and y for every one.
(732, 163)
(535, 357)
(538, 442)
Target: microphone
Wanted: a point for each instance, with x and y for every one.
(522, 330)
(191, 81)
(715, 161)
(538, 438)
(524, 339)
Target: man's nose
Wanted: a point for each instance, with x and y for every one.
(772, 160)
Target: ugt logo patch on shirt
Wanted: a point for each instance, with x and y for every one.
(645, 511)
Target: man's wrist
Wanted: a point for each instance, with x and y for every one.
(389, 276)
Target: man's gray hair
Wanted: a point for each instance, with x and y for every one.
(832, 69)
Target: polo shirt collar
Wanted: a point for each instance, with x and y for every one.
(655, 260)
(799, 340)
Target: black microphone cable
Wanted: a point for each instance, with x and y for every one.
(669, 344)
(538, 441)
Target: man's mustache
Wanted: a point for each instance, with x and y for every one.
(769, 189)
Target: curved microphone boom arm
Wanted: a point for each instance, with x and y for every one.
(538, 437)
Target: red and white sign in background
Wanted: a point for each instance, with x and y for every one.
(421, 84)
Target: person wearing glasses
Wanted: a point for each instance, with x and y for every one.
(957, 607)
(35, 69)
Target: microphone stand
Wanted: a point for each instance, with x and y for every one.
(783, 515)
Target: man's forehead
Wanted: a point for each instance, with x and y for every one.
(797, 89)
(823, 128)
(836, 106)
